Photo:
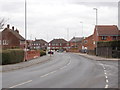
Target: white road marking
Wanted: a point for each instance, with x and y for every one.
(45, 75)
(106, 77)
(105, 73)
(21, 84)
(63, 67)
(104, 68)
(40, 76)
(55, 70)
(106, 80)
(69, 63)
(106, 86)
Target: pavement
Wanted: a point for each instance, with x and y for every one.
(64, 70)
(97, 58)
(21, 65)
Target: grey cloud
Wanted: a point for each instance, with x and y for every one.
(12, 7)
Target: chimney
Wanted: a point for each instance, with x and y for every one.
(17, 31)
(13, 28)
(8, 26)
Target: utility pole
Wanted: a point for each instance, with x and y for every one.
(82, 29)
(68, 38)
(82, 34)
(67, 33)
(25, 30)
(96, 29)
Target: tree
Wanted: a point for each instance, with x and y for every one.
(2, 22)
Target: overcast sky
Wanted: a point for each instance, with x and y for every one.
(49, 19)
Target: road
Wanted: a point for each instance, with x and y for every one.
(65, 70)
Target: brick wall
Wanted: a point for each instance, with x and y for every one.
(32, 54)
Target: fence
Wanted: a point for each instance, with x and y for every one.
(109, 49)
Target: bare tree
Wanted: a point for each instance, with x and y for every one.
(2, 22)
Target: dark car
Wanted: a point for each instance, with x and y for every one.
(50, 52)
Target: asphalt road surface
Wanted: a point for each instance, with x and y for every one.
(64, 70)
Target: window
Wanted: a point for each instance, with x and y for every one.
(22, 42)
(5, 42)
(0, 42)
(85, 41)
(114, 38)
(53, 44)
(103, 38)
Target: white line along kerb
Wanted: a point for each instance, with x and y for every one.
(106, 86)
(107, 80)
(21, 84)
(106, 76)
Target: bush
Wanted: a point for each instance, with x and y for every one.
(12, 56)
(42, 53)
(108, 44)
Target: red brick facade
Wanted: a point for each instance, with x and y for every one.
(11, 39)
(101, 33)
(57, 44)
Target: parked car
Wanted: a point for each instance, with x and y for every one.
(50, 52)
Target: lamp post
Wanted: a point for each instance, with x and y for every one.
(96, 27)
(25, 30)
(68, 38)
(82, 34)
(96, 15)
(82, 29)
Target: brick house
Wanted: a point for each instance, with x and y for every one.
(88, 43)
(39, 44)
(11, 38)
(57, 44)
(105, 33)
(29, 44)
(75, 44)
(101, 33)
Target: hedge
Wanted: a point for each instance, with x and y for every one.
(42, 53)
(108, 44)
(12, 56)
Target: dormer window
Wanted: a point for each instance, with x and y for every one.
(103, 37)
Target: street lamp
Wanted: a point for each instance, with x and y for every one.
(82, 34)
(82, 29)
(25, 30)
(96, 15)
(96, 27)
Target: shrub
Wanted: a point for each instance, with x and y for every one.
(108, 44)
(12, 56)
(42, 53)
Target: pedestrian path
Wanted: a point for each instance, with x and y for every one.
(24, 64)
(93, 57)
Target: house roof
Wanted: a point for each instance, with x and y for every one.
(76, 39)
(58, 41)
(40, 41)
(108, 30)
(16, 34)
(89, 37)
